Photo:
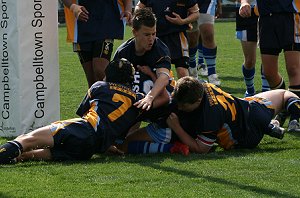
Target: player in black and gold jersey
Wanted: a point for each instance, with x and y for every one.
(107, 112)
(208, 115)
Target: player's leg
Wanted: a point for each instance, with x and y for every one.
(193, 36)
(150, 139)
(181, 51)
(85, 57)
(38, 154)
(285, 100)
(292, 59)
(209, 48)
(102, 51)
(248, 68)
(37, 139)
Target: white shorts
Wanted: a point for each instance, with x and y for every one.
(203, 19)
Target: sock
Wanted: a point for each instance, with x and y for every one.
(192, 54)
(293, 108)
(281, 85)
(9, 151)
(200, 54)
(295, 89)
(249, 79)
(143, 147)
(265, 85)
(210, 59)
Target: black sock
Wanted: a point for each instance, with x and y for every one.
(281, 85)
(9, 151)
(295, 89)
(293, 108)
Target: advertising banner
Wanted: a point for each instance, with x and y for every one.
(29, 69)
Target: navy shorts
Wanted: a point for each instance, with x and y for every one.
(246, 28)
(74, 139)
(257, 121)
(179, 48)
(277, 33)
(96, 49)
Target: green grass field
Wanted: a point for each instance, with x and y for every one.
(270, 170)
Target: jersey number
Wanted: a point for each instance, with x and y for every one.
(225, 103)
(126, 103)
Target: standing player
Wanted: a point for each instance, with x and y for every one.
(246, 32)
(204, 31)
(173, 19)
(279, 23)
(146, 50)
(93, 30)
(107, 113)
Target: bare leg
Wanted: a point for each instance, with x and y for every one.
(270, 68)
(38, 139)
(99, 65)
(278, 98)
(39, 154)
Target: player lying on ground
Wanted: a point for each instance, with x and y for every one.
(205, 115)
(107, 112)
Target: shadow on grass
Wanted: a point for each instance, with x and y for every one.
(6, 196)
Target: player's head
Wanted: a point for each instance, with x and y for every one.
(120, 71)
(143, 17)
(188, 93)
(144, 29)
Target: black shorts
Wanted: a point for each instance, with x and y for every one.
(179, 48)
(257, 122)
(74, 139)
(96, 49)
(246, 28)
(277, 33)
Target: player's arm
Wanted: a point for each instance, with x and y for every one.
(127, 10)
(192, 16)
(245, 9)
(79, 12)
(163, 76)
(195, 146)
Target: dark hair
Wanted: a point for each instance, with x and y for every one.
(120, 71)
(188, 90)
(143, 16)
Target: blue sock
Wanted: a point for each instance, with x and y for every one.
(265, 85)
(143, 147)
(200, 54)
(192, 54)
(210, 59)
(249, 79)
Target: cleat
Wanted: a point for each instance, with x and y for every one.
(248, 94)
(180, 148)
(276, 130)
(294, 126)
(202, 69)
(193, 72)
(214, 79)
(281, 117)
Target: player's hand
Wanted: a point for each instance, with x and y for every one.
(245, 10)
(127, 15)
(145, 103)
(176, 19)
(79, 12)
(173, 121)
(114, 150)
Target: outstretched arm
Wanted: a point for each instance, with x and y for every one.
(194, 145)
